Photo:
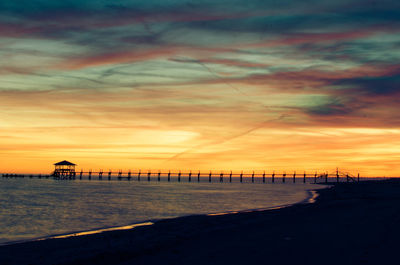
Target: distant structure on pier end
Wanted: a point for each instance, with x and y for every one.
(64, 169)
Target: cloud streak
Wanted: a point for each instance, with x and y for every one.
(216, 81)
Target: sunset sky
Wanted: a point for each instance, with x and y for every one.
(253, 85)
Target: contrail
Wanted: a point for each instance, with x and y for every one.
(219, 77)
(211, 72)
(200, 146)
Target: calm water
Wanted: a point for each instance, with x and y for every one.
(32, 208)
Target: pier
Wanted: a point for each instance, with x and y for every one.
(199, 176)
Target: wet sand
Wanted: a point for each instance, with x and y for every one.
(350, 223)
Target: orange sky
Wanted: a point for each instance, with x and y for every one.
(128, 131)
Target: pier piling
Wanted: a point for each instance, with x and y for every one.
(337, 175)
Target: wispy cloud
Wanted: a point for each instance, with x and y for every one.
(218, 81)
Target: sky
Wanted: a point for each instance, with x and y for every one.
(210, 85)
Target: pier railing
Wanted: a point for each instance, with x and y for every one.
(198, 176)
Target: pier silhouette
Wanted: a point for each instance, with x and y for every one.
(200, 176)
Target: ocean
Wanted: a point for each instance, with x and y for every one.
(37, 208)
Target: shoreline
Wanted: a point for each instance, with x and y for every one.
(350, 223)
(311, 198)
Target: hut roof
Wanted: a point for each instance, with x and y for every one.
(64, 163)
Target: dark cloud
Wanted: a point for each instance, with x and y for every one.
(253, 16)
(386, 85)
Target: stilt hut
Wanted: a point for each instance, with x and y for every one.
(64, 169)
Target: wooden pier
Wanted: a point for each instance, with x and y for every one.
(198, 176)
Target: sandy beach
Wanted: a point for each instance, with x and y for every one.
(350, 223)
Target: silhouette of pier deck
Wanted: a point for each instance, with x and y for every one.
(200, 176)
